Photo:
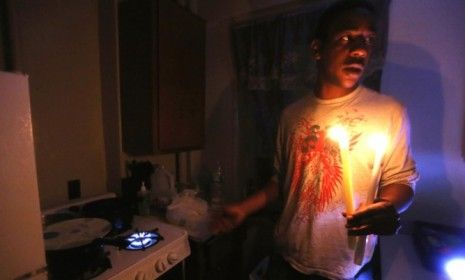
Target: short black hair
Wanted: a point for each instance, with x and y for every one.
(338, 8)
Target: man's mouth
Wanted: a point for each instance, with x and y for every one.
(354, 65)
(355, 69)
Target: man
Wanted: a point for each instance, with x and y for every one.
(312, 234)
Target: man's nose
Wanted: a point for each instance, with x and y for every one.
(359, 47)
(359, 52)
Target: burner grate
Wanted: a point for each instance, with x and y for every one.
(140, 240)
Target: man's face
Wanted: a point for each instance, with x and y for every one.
(345, 52)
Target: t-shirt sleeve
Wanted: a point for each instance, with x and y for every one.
(399, 166)
(278, 155)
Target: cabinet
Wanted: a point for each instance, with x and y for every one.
(219, 257)
(162, 77)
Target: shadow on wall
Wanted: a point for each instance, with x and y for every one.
(418, 85)
(463, 128)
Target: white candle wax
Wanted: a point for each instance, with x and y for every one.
(378, 143)
(340, 135)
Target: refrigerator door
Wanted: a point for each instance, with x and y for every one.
(22, 252)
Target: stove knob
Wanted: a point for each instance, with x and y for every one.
(160, 266)
(172, 258)
(140, 276)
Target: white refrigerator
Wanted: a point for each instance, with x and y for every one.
(22, 254)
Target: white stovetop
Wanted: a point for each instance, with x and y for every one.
(128, 264)
(144, 264)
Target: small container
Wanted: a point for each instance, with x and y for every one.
(143, 200)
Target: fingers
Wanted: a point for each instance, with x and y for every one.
(227, 220)
(367, 212)
(219, 224)
(385, 226)
(379, 218)
(222, 225)
(377, 210)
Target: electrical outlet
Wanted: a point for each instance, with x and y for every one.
(74, 189)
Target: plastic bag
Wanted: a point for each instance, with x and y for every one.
(190, 212)
(163, 188)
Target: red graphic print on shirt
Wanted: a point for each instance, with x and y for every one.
(317, 175)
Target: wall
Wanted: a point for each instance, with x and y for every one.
(3, 35)
(425, 70)
(56, 44)
(69, 50)
(221, 119)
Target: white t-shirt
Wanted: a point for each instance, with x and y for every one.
(311, 233)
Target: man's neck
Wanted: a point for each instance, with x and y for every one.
(331, 91)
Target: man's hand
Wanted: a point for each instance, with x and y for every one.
(231, 217)
(234, 214)
(379, 218)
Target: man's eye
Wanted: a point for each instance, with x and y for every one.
(344, 38)
(349, 39)
(370, 40)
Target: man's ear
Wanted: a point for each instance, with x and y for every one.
(316, 48)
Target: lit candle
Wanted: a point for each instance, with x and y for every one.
(339, 134)
(377, 142)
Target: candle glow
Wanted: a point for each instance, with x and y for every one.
(378, 143)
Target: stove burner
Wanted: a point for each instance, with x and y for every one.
(141, 240)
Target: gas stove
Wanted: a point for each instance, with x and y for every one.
(147, 250)
(151, 261)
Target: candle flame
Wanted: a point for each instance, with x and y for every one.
(339, 134)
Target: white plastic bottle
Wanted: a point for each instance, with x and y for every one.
(144, 200)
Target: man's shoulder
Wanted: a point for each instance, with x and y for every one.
(376, 98)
